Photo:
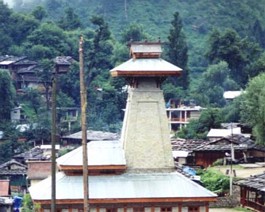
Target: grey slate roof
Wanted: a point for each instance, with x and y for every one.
(129, 185)
(5, 168)
(12, 162)
(256, 182)
(222, 144)
(99, 153)
(35, 153)
(63, 60)
(94, 136)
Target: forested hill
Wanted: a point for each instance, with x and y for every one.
(198, 17)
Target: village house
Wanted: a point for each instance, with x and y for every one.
(6, 201)
(15, 173)
(205, 153)
(24, 72)
(136, 173)
(180, 113)
(252, 192)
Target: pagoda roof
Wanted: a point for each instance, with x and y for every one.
(150, 67)
(122, 187)
(99, 153)
(145, 50)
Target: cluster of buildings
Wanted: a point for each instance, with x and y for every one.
(26, 73)
(137, 171)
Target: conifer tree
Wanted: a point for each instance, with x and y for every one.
(178, 51)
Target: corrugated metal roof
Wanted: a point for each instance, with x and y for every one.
(150, 64)
(232, 94)
(130, 185)
(223, 132)
(99, 153)
(7, 62)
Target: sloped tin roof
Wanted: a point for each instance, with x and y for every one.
(129, 185)
(146, 47)
(99, 153)
(145, 65)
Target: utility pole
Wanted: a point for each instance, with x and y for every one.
(231, 162)
(54, 88)
(83, 95)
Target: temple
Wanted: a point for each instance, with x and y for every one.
(136, 173)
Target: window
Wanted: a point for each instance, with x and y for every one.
(193, 209)
(167, 209)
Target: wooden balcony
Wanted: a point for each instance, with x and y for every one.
(251, 203)
(179, 120)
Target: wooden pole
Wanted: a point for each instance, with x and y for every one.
(53, 176)
(83, 95)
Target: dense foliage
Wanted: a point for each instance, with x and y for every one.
(215, 181)
(218, 48)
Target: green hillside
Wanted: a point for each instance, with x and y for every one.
(199, 17)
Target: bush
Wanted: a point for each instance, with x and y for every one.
(215, 181)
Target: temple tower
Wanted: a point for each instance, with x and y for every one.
(145, 133)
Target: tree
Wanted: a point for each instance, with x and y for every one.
(135, 32)
(45, 75)
(70, 20)
(256, 67)
(50, 39)
(21, 26)
(214, 82)
(177, 51)
(258, 33)
(99, 55)
(7, 95)
(253, 107)
(210, 118)
(39, 13)
(6, 40)
(237, 52)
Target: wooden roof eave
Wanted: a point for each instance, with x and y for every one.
(130, 200)
(145, 73)
(90, 168)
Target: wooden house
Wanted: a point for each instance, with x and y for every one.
(252, 192)
(242, 150)
(24, 72)
(16, 173)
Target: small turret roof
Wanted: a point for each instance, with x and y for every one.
(146, 62)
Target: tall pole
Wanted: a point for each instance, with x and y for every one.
(83, 124)
(231, 162)
(53, 168)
